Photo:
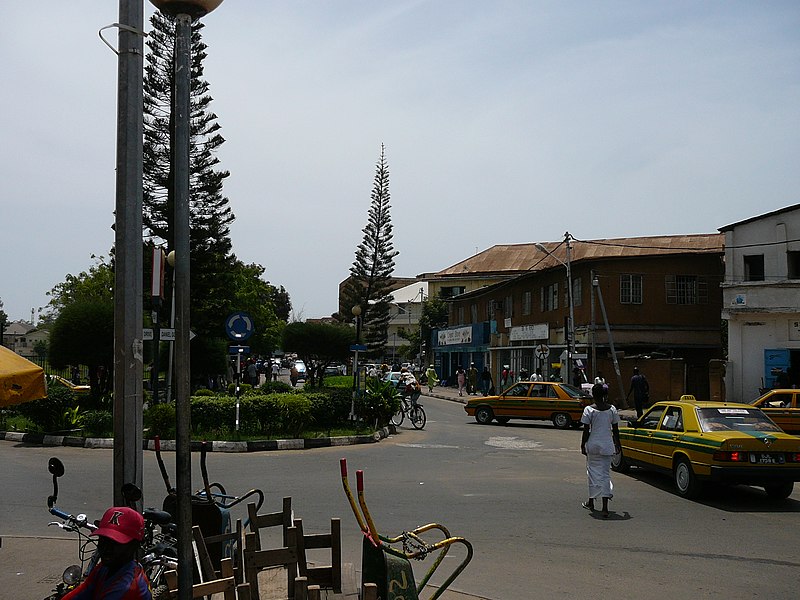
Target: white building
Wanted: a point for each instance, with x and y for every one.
(761, 302)
(404, 314)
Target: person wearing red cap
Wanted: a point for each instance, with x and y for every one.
(118, 575)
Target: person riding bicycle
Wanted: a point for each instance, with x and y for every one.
(408, 386)
(118, 575)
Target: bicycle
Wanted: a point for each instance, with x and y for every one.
(411, 408)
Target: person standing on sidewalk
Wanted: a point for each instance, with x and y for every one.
(472, 378)
(431, 378)
(640, 390)
(486, 381)
(461, 378)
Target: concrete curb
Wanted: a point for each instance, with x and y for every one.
(214, 446)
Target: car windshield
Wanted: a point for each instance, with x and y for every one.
(735, 419)
(574, 392)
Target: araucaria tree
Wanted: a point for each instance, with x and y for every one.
(371, 274)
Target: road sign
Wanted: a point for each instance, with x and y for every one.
(582, 355)
(166, 334)
(358, 348)
(238, 349)
(542, 351)
(239, 326)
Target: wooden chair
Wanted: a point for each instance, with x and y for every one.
(225, 585)
(236, 538)
(276, 519)
(324, 576)
(256, 559)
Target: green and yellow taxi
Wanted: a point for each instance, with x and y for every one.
(560, 403)
(783, 407)
(711, 441)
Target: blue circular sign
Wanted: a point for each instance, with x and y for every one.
(239, 326)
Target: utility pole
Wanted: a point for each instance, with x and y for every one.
(571, 329)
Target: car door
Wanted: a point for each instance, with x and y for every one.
(514, 401)
(639, 445)
(782, 408)
(666, 436)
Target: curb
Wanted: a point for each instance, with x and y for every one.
(42, 439)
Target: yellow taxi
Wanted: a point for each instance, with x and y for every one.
(783, 407)
(560, 403)
(711, 441)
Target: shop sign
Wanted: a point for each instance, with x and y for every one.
(538, 331)
(455, 336)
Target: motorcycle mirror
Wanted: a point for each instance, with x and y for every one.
(55, 466)
(131, 493)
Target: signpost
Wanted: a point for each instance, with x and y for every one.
(239, 327)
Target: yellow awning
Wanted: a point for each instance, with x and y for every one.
(20, 379)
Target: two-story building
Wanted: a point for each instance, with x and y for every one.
(761, 302)
(646, 298)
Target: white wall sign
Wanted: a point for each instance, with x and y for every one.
(538, 331)
(458, 335)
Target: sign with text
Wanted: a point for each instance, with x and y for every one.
(537, 331)
(455, 336)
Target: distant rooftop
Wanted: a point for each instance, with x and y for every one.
(515, 259)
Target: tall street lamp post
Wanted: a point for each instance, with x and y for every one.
(356, 310)
(184, 12)
(569, 331)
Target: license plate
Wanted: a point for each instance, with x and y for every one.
(763, 458)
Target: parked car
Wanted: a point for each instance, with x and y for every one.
(301, 369)
(560, 403)
(711, 441)
(783, 407)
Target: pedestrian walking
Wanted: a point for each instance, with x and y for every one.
(472, 379)
(599, 443)
(461, 378)
(504, 377)
(431, 378)
(640, 389)
(294, 375)
(523, 374)
(537, 376)
(486, 381)
(276, 369)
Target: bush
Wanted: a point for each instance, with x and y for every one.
(260, 414)
(204, 392)
(159, 420)
(338, 381)
(274, 387)
(296, 414)
(330, 407)
(49, 413)
(378, 403)
(211, 414)
(98, 423)
(244, 388)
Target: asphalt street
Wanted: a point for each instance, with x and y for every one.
(514, 491)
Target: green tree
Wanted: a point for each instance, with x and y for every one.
(83, 333)
(255, 296)
(96, 284)
(318, 344)
(371, 273)
(212, 261)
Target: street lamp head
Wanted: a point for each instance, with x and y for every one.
(194, 8)
(171, 258)
(356, 310)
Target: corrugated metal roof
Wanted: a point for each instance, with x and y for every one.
(514, 259)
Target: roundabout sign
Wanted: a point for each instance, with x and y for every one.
(239, 326)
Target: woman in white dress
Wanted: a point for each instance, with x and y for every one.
(599, 443)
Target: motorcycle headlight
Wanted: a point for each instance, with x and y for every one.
(72, 575)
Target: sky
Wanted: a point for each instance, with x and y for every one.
(504, 122)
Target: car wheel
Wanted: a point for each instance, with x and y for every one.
(562, 420)
(502, 420)
(780, 491)
(484, 415)
(685, 480)
(619, 464)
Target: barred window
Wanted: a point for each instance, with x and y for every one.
(473, 313)
(686, 289)
(630, 289)
(550, 297)
(577, 289)
(526, 303)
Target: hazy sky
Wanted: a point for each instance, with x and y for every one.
(504, 122)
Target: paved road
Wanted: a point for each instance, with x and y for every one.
(514, 491)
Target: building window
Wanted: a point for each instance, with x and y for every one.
(630, 289)
(460, 315)
(526, 303)
(550, 297)
(754, 267)
(793, 261)
(473, 313)
(686, 289)
(577, 289)
(449, 292)
(509, 307)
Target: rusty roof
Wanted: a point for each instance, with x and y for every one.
(515, 259)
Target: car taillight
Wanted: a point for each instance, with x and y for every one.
(793, 457)
(731, 456)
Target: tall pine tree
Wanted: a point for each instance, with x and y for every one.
(211, 258)
(370, 279)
